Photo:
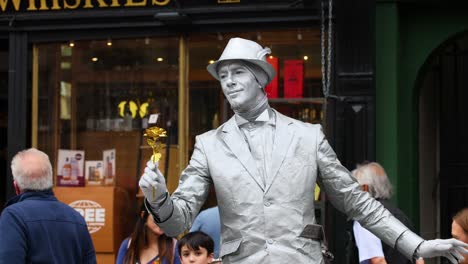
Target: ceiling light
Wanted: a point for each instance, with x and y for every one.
(109, 42)
(159, 59)
(306, 57)
(71, 44)
(94, 59)
(211, 61)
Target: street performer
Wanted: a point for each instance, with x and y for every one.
(264, 167)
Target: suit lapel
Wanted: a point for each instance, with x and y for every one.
(234, 139)
(283, 139)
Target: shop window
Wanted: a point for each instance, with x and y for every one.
(96, 95)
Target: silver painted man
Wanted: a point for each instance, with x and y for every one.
(264, 167)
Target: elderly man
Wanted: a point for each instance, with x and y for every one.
(35, 227)
(373, 179)
(264, 167)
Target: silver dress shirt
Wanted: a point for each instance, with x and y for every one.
(259, 136)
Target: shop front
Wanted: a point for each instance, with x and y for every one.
(84, 77)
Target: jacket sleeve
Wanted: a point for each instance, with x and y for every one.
(345, 194)
(191, 193)
(13, 238)
(196, 224)
(122, 251)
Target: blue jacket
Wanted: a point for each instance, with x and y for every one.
(36, 228)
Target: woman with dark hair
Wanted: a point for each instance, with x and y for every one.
(460, 228)
(148, 244)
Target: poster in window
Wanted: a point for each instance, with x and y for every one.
(272, 88)
(70, 167)
(94, 172)
(109, 166)
(293, 78)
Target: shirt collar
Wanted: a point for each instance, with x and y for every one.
(265, 116)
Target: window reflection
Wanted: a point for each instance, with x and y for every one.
(95, 96)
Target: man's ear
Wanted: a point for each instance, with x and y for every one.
(17, 189)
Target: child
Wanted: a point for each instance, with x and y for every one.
(196, 248)
(147, 244)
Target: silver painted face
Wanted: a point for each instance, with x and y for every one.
(239, 86)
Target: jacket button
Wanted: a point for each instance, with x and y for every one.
(267, 204)
(270, 241)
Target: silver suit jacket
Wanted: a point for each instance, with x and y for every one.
(262, 224)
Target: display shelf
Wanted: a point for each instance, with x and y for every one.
(314, 100)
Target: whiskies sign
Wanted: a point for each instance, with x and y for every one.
(12, 6)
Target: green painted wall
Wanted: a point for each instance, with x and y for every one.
(405, 38)
(386, 88)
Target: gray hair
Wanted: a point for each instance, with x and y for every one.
(32, 170)
(374, 176)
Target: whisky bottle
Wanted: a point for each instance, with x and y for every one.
(66, 170)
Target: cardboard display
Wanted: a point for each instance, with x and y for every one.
(70, 168)
(108, 212)
(109, 158)
(94, 172)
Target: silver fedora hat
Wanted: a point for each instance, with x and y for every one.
(246, 50)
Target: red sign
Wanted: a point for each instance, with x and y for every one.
(272, 88)
(293, 78)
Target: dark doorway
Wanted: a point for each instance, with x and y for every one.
(453, 64)
(3, 118)
(443, 137)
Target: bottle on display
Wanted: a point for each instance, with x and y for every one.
(91, 173)
(107, 110)
(67, 170)
(101, 122)
(97, 174)
(305, 115)
(127, 123)
(215, 121)
(144, 122)
(74, 169)
(109, 168)
(114, 117)
(313, 116)
(91, 117)
(90, 122)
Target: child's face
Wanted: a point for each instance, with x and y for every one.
(192, 256)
